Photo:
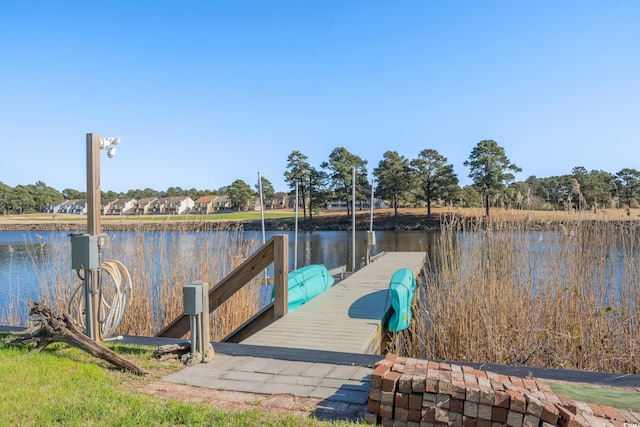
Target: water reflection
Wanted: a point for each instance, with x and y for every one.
(29, 258)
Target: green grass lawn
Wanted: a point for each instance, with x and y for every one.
(64, 386)
(621, 399)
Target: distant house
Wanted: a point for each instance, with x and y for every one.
(78, 207)
(143, 206)
(158, 206)
(280, 200)
(122, 206)
(341, 205)
(105, 206)
(179, 205)
(204, 205)
(222, 203)
(54, 207)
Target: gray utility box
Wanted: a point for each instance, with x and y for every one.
(192, 295)
(84, 252)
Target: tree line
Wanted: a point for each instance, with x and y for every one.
(424, 180)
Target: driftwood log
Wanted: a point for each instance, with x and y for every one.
(49, 328)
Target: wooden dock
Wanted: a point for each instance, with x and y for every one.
(346, 318)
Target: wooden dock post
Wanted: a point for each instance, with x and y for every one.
(280, 275)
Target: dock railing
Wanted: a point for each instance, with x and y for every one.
(275, 251)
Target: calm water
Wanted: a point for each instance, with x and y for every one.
(28, 258)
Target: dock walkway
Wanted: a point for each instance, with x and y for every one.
(348, 317)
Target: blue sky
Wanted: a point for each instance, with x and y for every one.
(203, 93)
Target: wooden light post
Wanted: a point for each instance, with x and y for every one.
(92, 276)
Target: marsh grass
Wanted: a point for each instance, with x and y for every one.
(160, 264)
(558, 295)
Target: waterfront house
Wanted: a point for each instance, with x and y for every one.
(179, 205)
(54, 207)
(204, 205)
(142, 206)
(123, 206)
(222, 203)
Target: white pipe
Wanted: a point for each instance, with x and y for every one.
(264, 239)
(295, 235)
(353, 220)
(371, 208)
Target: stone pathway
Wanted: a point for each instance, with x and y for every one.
(324, 390)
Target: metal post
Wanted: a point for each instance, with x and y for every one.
(92, 277)
(353, 219)
(295, 236)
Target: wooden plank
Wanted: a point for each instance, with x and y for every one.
(346, 318)
(228, 286)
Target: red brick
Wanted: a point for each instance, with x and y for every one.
(388, 398)
(386, 411)
(418, 383)
(530, 421)
(384, 362)
(456, 368)
(428, 415)
(517, 402)
(483, 423)
(455, 419)
(610, 413)
(442, 416)
(402, 414)
(422, 366)
(404, 383)
(445, 366)
(415, 401)
(456, 405)
(373, 406)
(517, 381)
(429, 399)
(370, 418)
(530, 384)
(442, 400)
(389, 381)
(534, 406)
(484, 412)
(549, 413)
(568, 404)
(501, 399)
(375, 394)
(458, 387)
(499, 415)
(469, 421)
(377, 375)
(387, 422)
(568, 419)
(410, 366)
(397, 367)
(444, 383)
(402, 400)
(470, 409)
(514, 419)
(431, 383)
(415, 415)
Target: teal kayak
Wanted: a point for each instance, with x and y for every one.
(401, 290)
(307, 283)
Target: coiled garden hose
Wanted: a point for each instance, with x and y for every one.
(111, 311)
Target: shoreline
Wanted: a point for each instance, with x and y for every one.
(408, 219)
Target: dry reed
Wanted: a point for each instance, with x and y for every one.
(160, 264)
(549, 295)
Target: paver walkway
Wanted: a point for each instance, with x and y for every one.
(327, 390)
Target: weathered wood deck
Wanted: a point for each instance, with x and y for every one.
(346, 318)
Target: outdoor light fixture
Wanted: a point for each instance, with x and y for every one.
(109, 144)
